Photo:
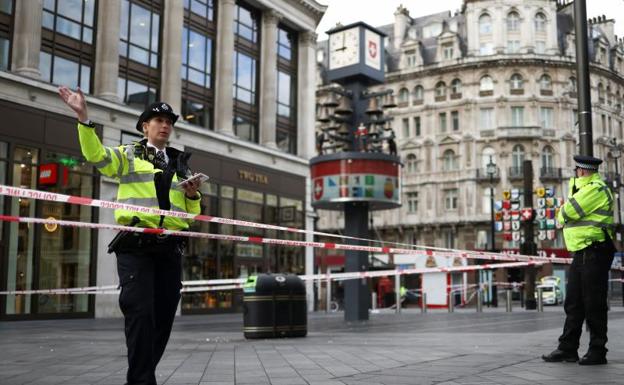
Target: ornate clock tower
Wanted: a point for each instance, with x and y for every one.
(354, 173)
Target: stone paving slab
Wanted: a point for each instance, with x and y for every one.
(439, 348)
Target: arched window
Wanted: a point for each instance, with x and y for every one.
(485, 24)
(548, 158)
(456, 86)
(403, 95)
(572, 84)
(440, 90)
(517, 157)
(516, 83)
(608, 95)
(540, 22)
(545, 83)
(488, 154)
(412, 164)
(486, 84)
(450, 163)
(513, 21)
(419, 92)
(601, 93)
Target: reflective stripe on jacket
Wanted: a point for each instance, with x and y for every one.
(587, 213)
(136, 182)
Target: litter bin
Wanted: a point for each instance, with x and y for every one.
(274, 306)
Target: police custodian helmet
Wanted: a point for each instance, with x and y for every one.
(587, 162)
(155, 109)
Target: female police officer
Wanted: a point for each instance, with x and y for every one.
(149, 266)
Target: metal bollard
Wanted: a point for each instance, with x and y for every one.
(508, 302)
(540, 300)
(451, 302)
(374, 300)
(397, 292)
(479, 301)
(328, 293)
(423, 297)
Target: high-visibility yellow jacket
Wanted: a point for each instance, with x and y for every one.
(587, 213)
(136, 182)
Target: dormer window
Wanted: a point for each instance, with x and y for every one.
(447, 50)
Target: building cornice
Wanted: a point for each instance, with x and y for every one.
(313, 7)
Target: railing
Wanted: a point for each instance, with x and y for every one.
(519, 132)
(483, 176)
(550, 173)
(515, 173)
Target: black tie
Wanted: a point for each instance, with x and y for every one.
(159, 160)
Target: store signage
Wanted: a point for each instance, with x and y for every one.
(253, 177)
(48, 174)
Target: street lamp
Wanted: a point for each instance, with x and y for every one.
(616, 153)
(491, 169)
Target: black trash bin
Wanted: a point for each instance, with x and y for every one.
(274, 306)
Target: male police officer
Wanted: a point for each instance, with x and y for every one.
(149, 266)
(587, 219)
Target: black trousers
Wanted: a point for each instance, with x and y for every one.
(150, 282)
(586, 298)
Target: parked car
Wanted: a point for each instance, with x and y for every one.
(551, 294)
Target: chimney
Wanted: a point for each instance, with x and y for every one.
(401, 22)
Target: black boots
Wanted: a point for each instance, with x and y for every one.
(561, 356)
(593, 358)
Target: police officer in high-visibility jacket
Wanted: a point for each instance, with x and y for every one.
(587, 219)
(149, 266)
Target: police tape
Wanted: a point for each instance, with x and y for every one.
(237, 283)
(466, 254)
(85, 201)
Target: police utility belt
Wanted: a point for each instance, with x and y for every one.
(128, 241)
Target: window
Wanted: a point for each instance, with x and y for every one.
(410, 57)
(286, 132)
(198, 36)
(608, 95)
(440, 91)
(601, 93)
(412, 164)
(516, 82)
(432, 30)
(486, 49)
(513, 46)
(572, 84)
(6, 26)
(73, 18)
(442, 121)
(545, 85)
(517, 156)
(486, 85)
(455, 120)
(403, 95)
(406, 128)
(513, 21)
(450, 199)
(540, 22)
(139, 51)
(604, 124)
(540, 47)
(419, 93)
(548, 158)
(517, 116)
(447, 49)
(417, 125)
(450, 161)
(485, 24)
(245, 72)
(456, 87)
(67, 50)
(546, 117)
(488, 155)
(412, 202)
(486, 118)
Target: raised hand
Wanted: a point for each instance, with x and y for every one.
(76, 101)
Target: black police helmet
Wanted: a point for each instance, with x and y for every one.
(155, 109)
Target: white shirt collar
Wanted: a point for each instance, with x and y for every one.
(157, 150)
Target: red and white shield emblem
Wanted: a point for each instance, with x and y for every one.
(318, 189)
(372, 49)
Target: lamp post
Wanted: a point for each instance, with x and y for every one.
(491, 169)
(616, 153)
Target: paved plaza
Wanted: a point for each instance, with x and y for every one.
(464, 347)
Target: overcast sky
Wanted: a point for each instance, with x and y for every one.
(381, 12)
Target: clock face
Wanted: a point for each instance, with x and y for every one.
(344, 48)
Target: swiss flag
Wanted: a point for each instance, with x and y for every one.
(318, 188)
(372, 49)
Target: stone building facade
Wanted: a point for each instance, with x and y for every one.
(495, 81)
